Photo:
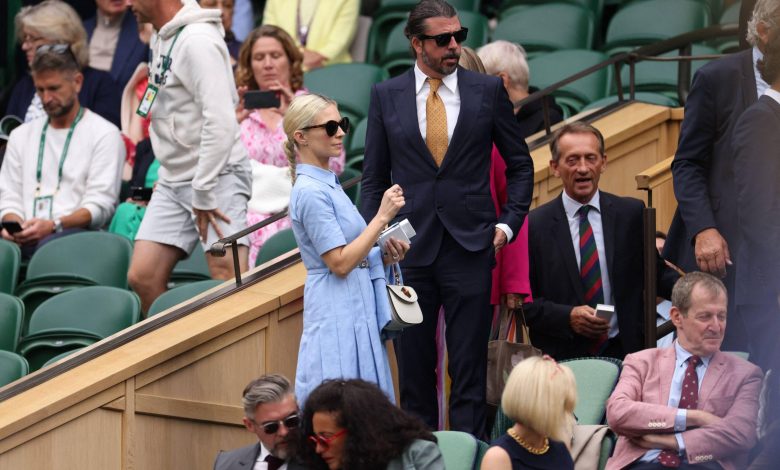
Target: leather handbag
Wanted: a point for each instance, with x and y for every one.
(404, 309)
(504, 353)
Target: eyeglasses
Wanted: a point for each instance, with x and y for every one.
(62, 49)
(442, 40)
(331, 127)
(290, 422)
(29, 38)
(316, 439)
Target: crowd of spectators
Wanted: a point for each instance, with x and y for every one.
(161, 97)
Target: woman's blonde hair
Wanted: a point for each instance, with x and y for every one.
(469, 60)
(540, 394)
(55, 21)
(302, 112)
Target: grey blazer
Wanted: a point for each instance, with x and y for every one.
(419, 455)
(244, 459)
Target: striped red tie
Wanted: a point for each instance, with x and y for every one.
(689, 400)
(590, 269)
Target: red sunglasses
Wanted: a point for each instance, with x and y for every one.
(316, 439)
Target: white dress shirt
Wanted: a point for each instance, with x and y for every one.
(761, 85)
(261, 464)
(448, 92)
(594, 217)
(772, 93)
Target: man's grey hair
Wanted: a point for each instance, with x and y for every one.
(765, 11)
(504, 56)
(681, 293)
(269, 388)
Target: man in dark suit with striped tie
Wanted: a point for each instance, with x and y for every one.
(585, 248)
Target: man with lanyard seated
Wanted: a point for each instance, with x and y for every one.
(61, 173)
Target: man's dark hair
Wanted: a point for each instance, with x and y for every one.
(377, 430)
(415, 25)
(577, 127)
(58, 58)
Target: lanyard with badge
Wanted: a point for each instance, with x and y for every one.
(42, 205)
(152, 89)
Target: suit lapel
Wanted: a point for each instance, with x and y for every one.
(405, 103)
(748, 82)
(125, 44)
(561, 233)
(470, 99)
(608, 221)
(711, 377)
(666, 371)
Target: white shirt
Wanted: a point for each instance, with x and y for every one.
(448, 92)
(761, 85)
(260, 463)
(594, 217)
(91, 175)
(772, 93)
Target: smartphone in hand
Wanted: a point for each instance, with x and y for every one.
(12, 226)
(139, 193)
(256, 99)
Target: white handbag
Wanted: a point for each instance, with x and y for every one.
(404, 309)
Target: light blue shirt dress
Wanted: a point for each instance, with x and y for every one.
(342, 317)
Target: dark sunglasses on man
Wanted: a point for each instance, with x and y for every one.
(61, 49)
(443, 40)
(331, 127)
(290, 422)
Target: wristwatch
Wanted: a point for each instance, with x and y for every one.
(57, 225)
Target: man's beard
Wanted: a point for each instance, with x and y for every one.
(440, 67)
(59, 111)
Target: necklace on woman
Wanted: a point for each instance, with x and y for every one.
(534, 450)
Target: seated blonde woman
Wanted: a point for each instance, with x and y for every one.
(539, 397)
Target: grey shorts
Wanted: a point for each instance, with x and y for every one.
(169, 219)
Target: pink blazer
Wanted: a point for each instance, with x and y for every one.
(730, 389)
(510, 275)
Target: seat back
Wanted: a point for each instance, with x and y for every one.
(461, 451)
(179, 295)
(354, 99)
(478, 28)
(12, 367)
(643, 96)
(11, 320)
(548, 27)
(354, 191)
(278, 244)
(596, 378)
(10, 260)
(396, 57)
(101, 257)
(193, 268)
(648, 21)
(357, 142)
(99, 310)
(662, 77)
(552, 67)
(61, 356)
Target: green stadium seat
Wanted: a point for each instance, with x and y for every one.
(643, 96)
(647, 21)
(74, 261)
(661, 77)
(354, 191)
(12, 367)
(596, 6)
(548, 27)
(552, 67)
(729, 16)
(356, 162)
(381, 26)
(10, 260)
(191, 269)
(478, 29)
(61, 356)
(180, 294)
(354, 98)
(715, 7)
(11, 320)
(596, 378)
(357, 141)
(278, 244)
(461, 451)
(396, 57)
(407, 5)
(76, 319)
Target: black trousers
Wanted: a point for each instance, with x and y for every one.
(460, 281)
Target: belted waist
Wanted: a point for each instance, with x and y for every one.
(362, 265)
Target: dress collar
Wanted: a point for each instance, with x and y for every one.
(325, 176)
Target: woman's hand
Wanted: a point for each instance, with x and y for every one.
(285, 94)
(241, 112)
(395, 251)
(392, 202)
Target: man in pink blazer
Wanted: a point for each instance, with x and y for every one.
(712, 428)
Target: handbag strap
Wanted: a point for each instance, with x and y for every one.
(395, 273)
(525, 335)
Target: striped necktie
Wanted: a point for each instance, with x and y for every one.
(590, 269)
(689, 400)
(436, 122)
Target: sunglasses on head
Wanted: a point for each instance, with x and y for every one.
(331, 127)
(61, 49)
(290, 422)
(442, 40)
(324, 442)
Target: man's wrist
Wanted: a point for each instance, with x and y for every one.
(57, 225)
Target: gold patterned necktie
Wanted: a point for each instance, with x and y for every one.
(436, 122)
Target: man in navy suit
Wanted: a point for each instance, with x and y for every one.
(116, 48)
(431, 130)
(703, 235)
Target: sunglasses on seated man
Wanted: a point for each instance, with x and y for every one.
(61, 49)
(331, 127)
(442, 40)
(290, 422)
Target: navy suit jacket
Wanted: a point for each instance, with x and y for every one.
(757, 173)
(130, 51)
(555, 276)
(703, 165)
(456, 196)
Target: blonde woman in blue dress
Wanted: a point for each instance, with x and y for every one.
(345, 304)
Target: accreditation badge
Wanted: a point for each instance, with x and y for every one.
(146, 102)
(42, 207)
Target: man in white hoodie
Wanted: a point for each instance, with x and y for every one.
(205, 181)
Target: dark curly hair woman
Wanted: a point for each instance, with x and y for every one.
(351, 425)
